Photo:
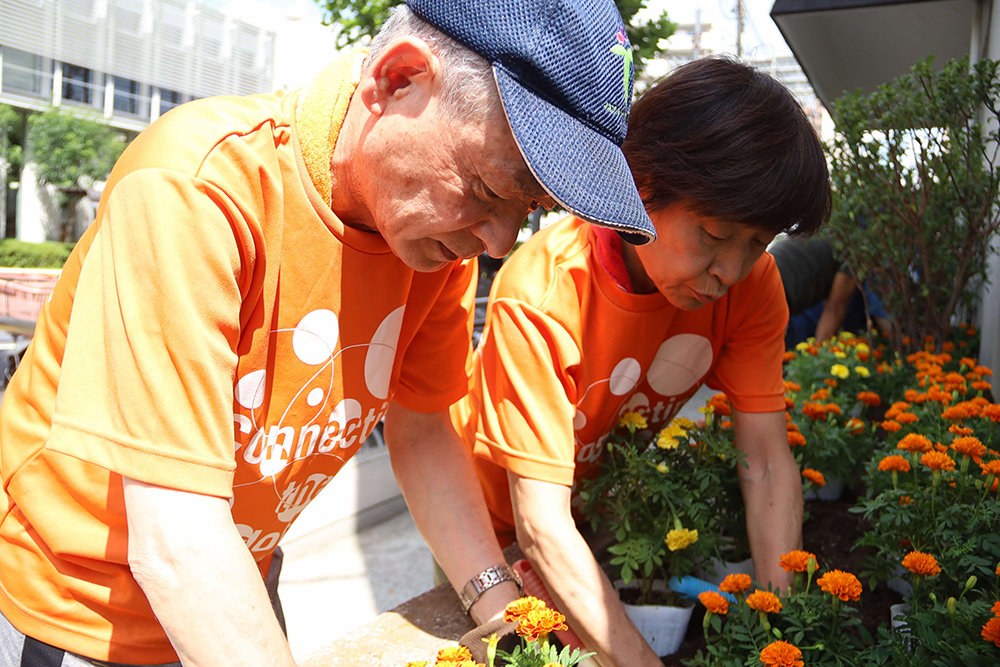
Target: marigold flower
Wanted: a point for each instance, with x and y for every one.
(830, 382)
(960, 430)
(662, 468)
(982, 371)
(842, 584)
(721, 404)
(820, 394)
(665, 441)
(968, 446)
(795, 561)
(862, 371)
(790, 356)
(834, 408)
(894, 462)
(996, 609)
(796, 439)
(782, 654)
(738, 583)
(841, 371)
(914, 442)
(905, 500)
(854, 426)
(910, 395)
(956, 413)
(937, 461)
(890, 426)
(981, 385)
(789, 424)
(869, 398)
(789, 403)
(947, 346)
(919, 563)
(764, 601)
(418, 663)
(991, 631)
(814, 476)
(633, 421)
(540, 622)
(998, 570)
(792, 386)
(682, 422)
(992, 411)
(906, 418)
(681, 538)
(714, 602)
(520, 607)
(454, 654)
(801, 347)
(991, 467)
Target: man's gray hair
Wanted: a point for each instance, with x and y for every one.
(469, 91)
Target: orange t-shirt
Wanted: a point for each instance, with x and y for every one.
(218, 330)
(566, 351)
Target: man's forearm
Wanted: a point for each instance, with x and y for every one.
(435, 473)
(200, 580)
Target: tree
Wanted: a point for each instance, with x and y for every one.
(915, 180)
(10, 152)
(360, 19)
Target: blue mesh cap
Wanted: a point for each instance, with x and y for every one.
(564, 71)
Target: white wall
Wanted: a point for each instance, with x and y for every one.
(989, 321)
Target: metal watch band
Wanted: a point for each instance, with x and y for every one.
(484, 581)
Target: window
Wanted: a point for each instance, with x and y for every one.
(76, 84)
(169, 99)
(23, 73)
(127, 95)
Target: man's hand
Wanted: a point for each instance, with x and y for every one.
(772, 492)
(548, 536)
(201, 581)
(434, 470)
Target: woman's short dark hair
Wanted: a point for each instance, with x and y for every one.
(729, 142)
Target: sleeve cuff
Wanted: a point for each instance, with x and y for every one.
(526, 465)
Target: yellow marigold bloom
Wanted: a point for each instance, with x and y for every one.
(418, 663)
(764, 601)
(633, 421)
(781, 654)
(968, 446)
(905, 500)
(991, 467)
(683, 422)
(802, 346)
(738, 583)
(891, 426)
(540, 622)
(454, 654)
(844, 585)
(937, 461)
(662, 468)
(862, 371)
(869, 398)
(862, 348)
(665, 441)
(991, 631)
(921, 564)
(839, 354)
(681, 538)
(841, 371)
(714, 602)
(906, 418)
(814, 476)
(914, 442)
(894, 462)
(520, 607)
(795, 561)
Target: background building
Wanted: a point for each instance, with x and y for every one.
(123, 61)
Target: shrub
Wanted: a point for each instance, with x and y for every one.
(25, 255)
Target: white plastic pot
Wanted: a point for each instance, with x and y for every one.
(663, 626)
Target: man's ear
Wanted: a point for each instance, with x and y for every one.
(406, 70)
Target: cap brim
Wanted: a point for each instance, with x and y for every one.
(580, 168)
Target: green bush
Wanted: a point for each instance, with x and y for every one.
(26, 255)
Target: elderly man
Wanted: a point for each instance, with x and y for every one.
(266, 279)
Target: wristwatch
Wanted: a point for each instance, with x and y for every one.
(484, 581)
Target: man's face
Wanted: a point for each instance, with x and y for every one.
(695, 259)
(442, 190)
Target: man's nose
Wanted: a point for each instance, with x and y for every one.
(498, 233)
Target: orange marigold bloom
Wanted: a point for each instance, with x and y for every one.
(854, 426)
(906, 418)
(795, 439)
(539, 622)
(996, 609)
(842, 584)
(905, 500)
(869, 398)
(982, 371)
(832, 382)
(914, 442)
(968, 362)
(937, 461)
(959, 430)
(894, 462)
(820, 394)
(956, 413)
(518, 608)
(980, 385)
(892, 413)
(789, 424)
(790, 356)
(991, 631)
(948, 346)
(714, 602)
(890, 426)
(764, 601)
(991, 467)
(813, 410)
(922, 564)
(796, 561)
(992, 411)
(834, 408)
(814, 476)
(792, 386)
(721, 404)
(900, 405)
(783, 654)
(968, 446)
(910, 395)
(735, 583)
(454, 654)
